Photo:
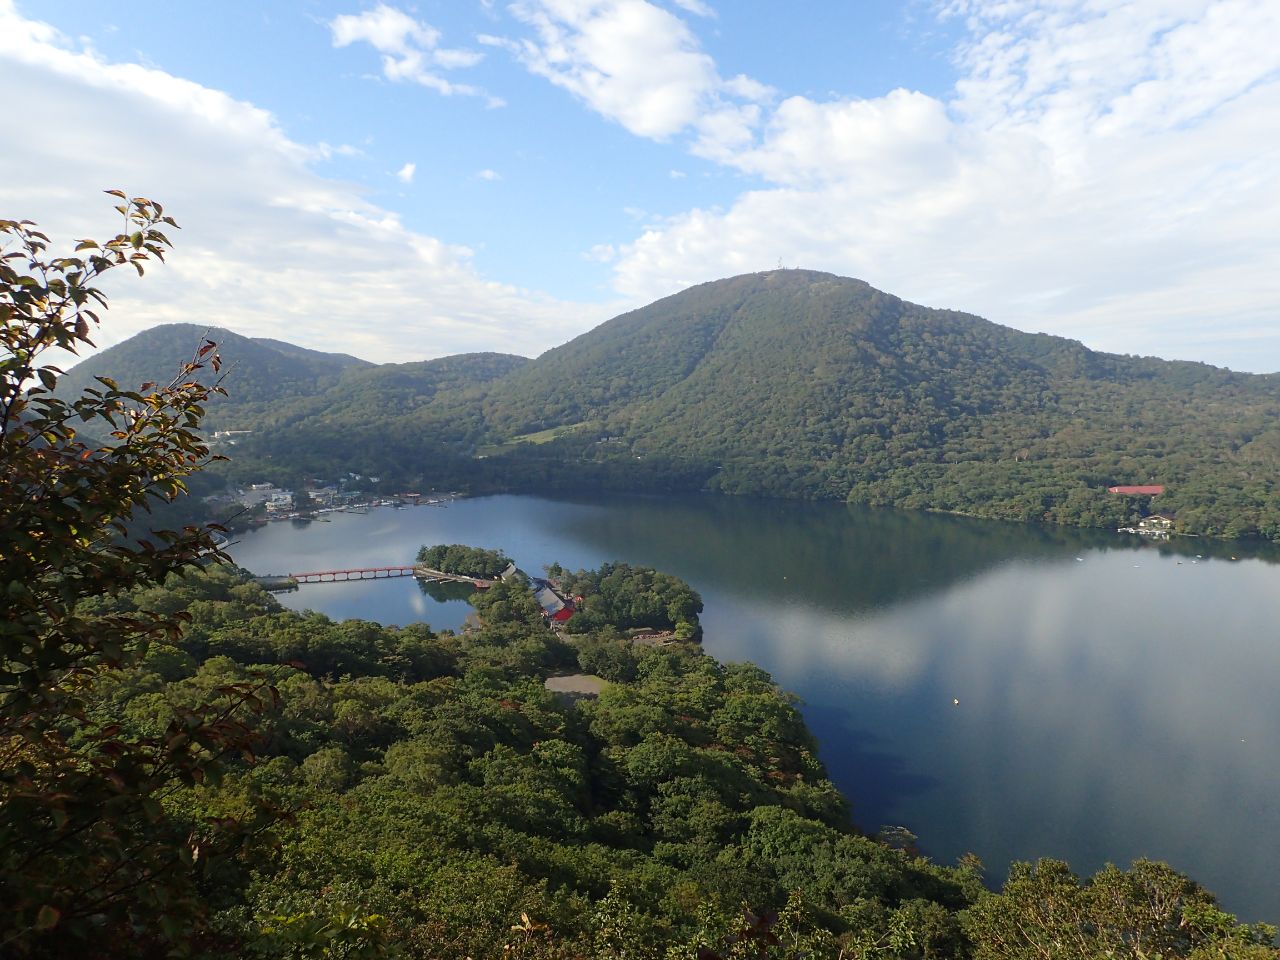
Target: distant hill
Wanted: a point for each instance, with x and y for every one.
(391, 391)
(800, 384)
(259, 371)
(386, 419)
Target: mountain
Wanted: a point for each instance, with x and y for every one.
(794, 383)
(393, 391)
(805, 343)
(375, 420)
(259, 371)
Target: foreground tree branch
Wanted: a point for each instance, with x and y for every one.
(89, 861)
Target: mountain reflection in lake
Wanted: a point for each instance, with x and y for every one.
(1116, 697)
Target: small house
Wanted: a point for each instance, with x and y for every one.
(1148, 491)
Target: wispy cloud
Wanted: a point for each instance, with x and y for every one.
(405, 173)
(488, 174)
(696, 7)
(637, 64)
(410, 48)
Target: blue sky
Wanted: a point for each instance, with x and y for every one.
(410, 180)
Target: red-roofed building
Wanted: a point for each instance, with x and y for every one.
(554, 607)
(1151, 491)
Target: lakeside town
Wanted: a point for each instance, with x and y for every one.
(261, 503)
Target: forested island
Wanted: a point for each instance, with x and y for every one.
(458, 558)
(620, 596)
(789, 383)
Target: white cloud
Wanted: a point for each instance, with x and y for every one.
(1109, 172)
(635, 63)
(268, 247)
(895, 142)
(405, 173)
(748, 88)
(410, 48)
(489, 175)
(327, 151)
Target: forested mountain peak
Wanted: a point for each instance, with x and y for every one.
(783, 335)
(258, 369)
(775, 325)
(797, 383)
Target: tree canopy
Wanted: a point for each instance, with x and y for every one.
(87, 851)
(458, 558)
(443, 802)
(623, 596)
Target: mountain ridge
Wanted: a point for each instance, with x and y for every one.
(260, 369)
(802, 384)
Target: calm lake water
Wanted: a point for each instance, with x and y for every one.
(1117, 698)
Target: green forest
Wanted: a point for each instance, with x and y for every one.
(189, 770)
(458, 558)
(791, 384)
(398, 792)
(621, 597)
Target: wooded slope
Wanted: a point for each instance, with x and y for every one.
(794, 383)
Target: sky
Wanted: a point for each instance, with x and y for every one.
(403, 181)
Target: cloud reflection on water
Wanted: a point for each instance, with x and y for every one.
(1101, 713)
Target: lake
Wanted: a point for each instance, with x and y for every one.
(1117, 697)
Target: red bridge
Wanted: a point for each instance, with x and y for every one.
(382, 573)
(359, 573)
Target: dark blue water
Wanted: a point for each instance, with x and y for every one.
(1117, 698)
